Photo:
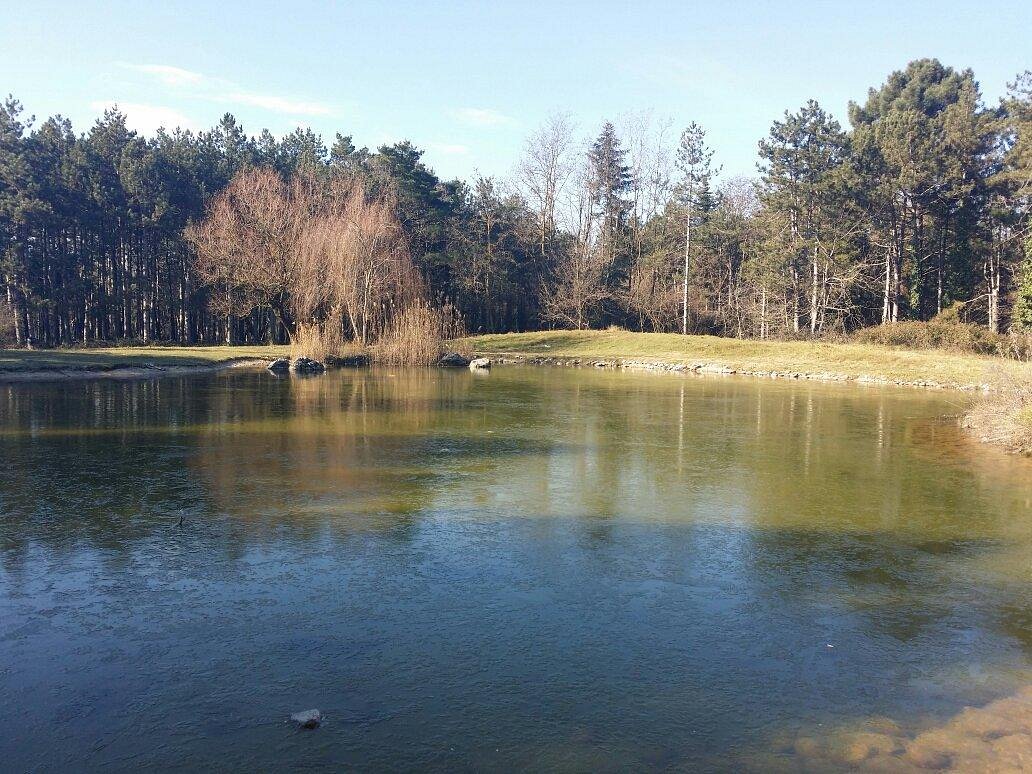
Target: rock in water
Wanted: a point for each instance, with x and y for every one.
(280, 365)
(306, 365)
(453, 360)
(347, 361)
(308, 718)
(481, 363)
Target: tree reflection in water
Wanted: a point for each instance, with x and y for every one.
(535, 567)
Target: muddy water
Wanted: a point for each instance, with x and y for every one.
(531, 569)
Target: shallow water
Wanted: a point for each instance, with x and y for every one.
(531, 569)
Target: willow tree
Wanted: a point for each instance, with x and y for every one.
(354, 263)
(316, 253)
(247, 246)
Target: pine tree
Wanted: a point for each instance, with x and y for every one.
(610, 177)
(695, 162)
(920, 144)
(803, 165)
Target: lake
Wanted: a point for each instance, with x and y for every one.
(531, 569)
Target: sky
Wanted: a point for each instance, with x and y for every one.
(469, 81)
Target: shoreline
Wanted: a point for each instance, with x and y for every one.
(1003, 421)
(720, 369)
(996, 736)
(154, 370)
(827, 361)
(126, 372)
(993, 421)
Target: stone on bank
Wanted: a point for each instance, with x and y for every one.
(306, 365)
(301, 365)
(453, 360)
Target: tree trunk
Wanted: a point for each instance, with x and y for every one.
(815, 299)
(687, 266)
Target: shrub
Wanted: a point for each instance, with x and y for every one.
(1019, 344)
(940, 333)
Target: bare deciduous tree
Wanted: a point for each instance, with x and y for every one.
(577, 287)
(543, 172)
(247, 246)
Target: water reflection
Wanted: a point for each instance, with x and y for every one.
(539, 568)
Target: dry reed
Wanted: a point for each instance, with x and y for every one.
(416, 335)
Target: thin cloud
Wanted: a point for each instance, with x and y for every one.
(147, 119)
(199, 86)
(278, 104)
(483, 117)
(167, 74)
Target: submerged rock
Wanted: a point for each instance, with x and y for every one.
(453, 360)
(993, 738)
(480, 363)
(307, 719)
(306, 365)
(347, 361)
(280, 365)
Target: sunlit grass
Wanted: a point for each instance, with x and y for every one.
(850, 361)
(109, 358)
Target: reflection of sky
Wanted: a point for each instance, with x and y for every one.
(545, 567)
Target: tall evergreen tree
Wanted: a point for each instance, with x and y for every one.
(920, 145)
(803, 164)
(695, 162)
(609, 179)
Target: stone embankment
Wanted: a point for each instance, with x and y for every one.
(721, 369)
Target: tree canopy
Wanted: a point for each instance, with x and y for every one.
(921, 202)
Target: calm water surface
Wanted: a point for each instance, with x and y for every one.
(532, 569)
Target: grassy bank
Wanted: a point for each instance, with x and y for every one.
(128, 361)
(852, 361)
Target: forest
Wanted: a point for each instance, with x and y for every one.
(919, 207)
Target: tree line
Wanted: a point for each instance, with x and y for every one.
(920, 205)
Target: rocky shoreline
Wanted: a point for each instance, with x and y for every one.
(145, 371)
(128, 372)
(515, 358)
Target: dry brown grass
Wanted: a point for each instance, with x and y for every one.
(1005, 418)
(100, 359)
(318, 342)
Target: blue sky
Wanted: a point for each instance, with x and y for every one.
(468, 81)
